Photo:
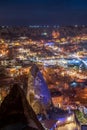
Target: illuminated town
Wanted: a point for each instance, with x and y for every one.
(50, 65)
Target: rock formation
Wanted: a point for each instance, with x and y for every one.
(37, 91)
(15, 110)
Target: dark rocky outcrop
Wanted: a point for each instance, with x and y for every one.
(16, 110)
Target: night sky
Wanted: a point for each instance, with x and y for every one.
(58, 12)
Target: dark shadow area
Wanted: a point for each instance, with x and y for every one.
(16, 113)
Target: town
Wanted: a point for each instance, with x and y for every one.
(50, 65)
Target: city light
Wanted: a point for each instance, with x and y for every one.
(50, 65)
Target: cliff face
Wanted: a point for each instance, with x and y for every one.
(16, 109)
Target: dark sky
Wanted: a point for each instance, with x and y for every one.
(26, 12)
